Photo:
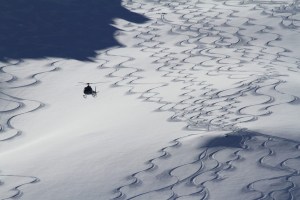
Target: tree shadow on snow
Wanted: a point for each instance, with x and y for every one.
(72, 29)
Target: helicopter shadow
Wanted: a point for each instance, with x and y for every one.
(72, 29)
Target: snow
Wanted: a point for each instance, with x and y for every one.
(196, 100)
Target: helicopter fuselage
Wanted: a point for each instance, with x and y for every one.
(89, 91)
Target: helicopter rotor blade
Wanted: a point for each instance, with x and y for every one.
(94, 82)
(100, 82)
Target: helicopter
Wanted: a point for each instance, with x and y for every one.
(88, 90)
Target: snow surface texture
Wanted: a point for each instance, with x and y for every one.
(226, 71)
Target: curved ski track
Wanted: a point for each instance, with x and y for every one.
(212, 41)
(12, 107)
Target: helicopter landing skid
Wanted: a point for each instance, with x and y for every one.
(94, 94)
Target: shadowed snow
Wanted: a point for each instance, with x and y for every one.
(66, 29)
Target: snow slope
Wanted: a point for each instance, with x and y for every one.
(200, 102)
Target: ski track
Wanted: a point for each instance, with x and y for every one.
(12, 107)
(210, 46)
(212, 39)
